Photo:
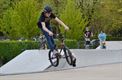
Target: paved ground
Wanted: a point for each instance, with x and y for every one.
(113, 45)
(36, 62)
(101, 72)
(85, 58)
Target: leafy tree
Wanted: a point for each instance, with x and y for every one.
(72, 16)
(109, 17)
(20, 16)
(21, 20)
(88, 8)
(103, 15)
(4, 4)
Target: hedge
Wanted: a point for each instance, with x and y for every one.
(110, 38)
(10, 49)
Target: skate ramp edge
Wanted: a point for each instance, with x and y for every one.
(32, 61)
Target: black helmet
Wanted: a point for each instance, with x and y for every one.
(47, 9)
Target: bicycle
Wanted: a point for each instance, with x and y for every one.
(54, 58)
(91, 44)
(42, 41)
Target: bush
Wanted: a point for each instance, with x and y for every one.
(73, 17)
(10, 49)
(110, 38)
(20, 19)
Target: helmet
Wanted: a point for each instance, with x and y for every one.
(47, 9)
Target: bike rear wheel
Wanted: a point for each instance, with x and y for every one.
(54, 59)
(68, 55)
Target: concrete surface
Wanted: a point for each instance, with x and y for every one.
(101, 72)
(28, 61)
(113, 45)
(91, 58)
(37, 60)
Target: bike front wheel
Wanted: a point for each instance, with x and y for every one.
(53, 58)
(68, 55)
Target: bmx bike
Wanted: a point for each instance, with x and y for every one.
(54, 58)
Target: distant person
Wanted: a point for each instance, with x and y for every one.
(87, 34)
(102, 39)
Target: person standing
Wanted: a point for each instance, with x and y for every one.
(102, 39)
(87, 34)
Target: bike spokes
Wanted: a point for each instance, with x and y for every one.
(68, 56)
(54, 60)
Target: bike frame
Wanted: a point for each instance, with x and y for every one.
(67, 53)
(62, 44)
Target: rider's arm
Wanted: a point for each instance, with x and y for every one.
(45, 29)
(61, 23)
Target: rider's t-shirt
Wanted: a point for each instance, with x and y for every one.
(88, 34)
(45, 19)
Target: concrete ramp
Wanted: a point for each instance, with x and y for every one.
(28, 61)
(37, 60)
(87, 58)
(113, 45)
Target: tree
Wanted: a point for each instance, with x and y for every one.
(6, 4)
(72, 16)
(103, 15)
(88, 8)
(21, 20)
(109, 17)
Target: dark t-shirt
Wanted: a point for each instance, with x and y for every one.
(88, 34)
(45, 19)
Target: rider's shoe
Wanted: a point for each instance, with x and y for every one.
(74, 62)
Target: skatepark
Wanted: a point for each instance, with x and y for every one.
(92, 64)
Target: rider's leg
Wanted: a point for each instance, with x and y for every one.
(87, 43)
(50, 41)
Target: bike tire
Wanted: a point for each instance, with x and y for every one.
(53, 63)
(68, 56)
